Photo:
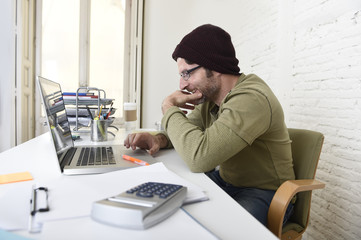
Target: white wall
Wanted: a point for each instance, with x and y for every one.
(326, 96)
(165, 24)
(309, 52)
(256, 42)
(7, 73)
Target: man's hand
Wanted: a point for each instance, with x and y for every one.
(181, 99)
(152, 143)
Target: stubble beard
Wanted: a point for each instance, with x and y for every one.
(210, 92)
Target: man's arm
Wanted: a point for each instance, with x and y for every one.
(240, 120)
(153, 142)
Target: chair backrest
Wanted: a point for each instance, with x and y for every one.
(306, 149)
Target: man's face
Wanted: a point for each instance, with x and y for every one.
(198, 81)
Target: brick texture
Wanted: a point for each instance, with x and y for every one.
(317, 43)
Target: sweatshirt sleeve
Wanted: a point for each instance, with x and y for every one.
(201, 149)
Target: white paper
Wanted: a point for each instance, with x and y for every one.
(72, 196)
(15, 205)
(178, 226)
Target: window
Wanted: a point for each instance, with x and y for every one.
(60, 42)
(84, 42)
(106, 59)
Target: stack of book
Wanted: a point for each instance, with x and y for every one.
(88, 98)
(85, 100)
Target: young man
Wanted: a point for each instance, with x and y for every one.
(237, 122)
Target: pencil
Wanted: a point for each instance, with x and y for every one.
(135, 160)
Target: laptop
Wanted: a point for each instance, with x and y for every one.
(73, 160)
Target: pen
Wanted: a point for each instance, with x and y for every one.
(100, 111)
(135, 160)
(108, 114)
(33, 201)
(90, 114)
(109, 111)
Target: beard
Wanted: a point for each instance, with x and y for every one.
(210, 91)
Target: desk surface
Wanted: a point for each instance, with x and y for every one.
(220, 214)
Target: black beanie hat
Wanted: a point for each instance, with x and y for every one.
(210, 47)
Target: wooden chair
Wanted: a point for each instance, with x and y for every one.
(306, 150)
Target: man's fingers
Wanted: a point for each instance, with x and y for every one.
(195, 96)
(153, 150)
(127, 141)
(131, 141)
(136, 141)
(143, 140)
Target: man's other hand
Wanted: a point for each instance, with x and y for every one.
(181, 99)
(144, 140)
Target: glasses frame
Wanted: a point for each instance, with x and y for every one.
(186, 74)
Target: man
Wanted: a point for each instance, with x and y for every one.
(237, 123)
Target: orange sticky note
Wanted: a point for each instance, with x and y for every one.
(15, 177)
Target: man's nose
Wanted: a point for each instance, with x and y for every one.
(182, 83)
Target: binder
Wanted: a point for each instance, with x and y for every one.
(38, 203)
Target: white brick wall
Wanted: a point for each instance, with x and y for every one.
(318, 44)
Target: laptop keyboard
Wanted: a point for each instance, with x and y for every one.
(90, 156)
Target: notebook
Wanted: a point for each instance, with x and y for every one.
(85, 159)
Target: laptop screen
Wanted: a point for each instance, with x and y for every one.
(56, 114)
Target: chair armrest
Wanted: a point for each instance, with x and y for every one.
(282, 198)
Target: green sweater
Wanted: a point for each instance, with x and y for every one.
(246, 136)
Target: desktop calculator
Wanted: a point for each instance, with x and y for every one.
(140, 207)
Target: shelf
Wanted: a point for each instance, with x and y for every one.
(86, 99)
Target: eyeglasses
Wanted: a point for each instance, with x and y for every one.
(187, 73)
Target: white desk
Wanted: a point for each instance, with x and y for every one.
(221, 214)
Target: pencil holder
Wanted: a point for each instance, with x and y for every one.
(99, 130)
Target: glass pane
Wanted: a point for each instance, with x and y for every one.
(60, 42)
(107, 49)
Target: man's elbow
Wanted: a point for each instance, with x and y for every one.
(199, 165)
(195, 169)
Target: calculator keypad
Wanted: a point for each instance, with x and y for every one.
(149, 189)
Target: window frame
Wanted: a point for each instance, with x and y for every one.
(134, 58)
(132, 54)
